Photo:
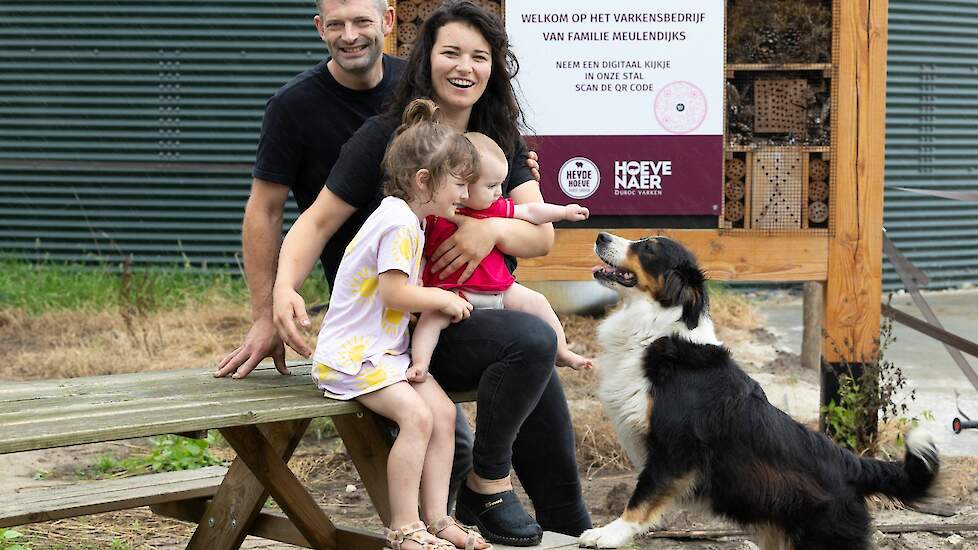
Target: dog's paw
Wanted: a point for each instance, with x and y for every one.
(614, 535)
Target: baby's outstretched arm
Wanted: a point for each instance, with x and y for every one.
(542, 212)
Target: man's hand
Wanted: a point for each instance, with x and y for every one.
(261, 341)
(288, 309)
(533, 163)
(575, 213)
(467, 247)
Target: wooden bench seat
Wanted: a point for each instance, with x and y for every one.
(94, 497)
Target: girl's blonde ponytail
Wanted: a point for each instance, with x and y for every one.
(419, 111)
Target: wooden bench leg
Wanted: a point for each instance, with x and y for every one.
(274, 526)
(225, 524)
(368, 440)
(267, 465)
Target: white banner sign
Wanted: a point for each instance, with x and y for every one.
(620, 67)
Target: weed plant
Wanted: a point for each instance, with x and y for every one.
(869, 397)
(9, 540)
(169, 453)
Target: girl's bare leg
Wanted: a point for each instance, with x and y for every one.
(437, 469)
(402, 404)
(520, 298)
(424, 338)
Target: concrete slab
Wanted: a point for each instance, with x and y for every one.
(924, 361)
(551, 541)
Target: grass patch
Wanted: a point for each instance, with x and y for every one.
(38, 288)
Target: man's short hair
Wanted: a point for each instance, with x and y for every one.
(381, 6)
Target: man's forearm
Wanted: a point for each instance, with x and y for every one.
(261, 240)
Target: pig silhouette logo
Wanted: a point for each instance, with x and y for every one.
(579, 178)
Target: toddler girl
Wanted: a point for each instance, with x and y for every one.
(362, 351)
(491, 285)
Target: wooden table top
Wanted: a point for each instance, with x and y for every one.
(54, 413)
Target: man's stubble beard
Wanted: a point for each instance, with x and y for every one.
(376, 50)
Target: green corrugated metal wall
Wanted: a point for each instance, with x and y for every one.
(932, 137)
(130, 127)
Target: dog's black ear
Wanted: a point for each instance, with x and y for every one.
(685, 285)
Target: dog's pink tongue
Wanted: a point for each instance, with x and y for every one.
(596, 269)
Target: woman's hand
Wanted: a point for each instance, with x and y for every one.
(467, 247)
(533, 163)
(456, 307)
(288, 308)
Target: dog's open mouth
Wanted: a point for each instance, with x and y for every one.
(608, 272)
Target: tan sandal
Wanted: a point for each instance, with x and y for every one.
(471, 536)
(416, 533)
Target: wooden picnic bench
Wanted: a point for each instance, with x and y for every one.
(263, 417)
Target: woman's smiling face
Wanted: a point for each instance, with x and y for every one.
(461, 63)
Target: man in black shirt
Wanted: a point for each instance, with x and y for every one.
(305, 124)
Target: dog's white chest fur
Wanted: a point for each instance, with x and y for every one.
(624, 389)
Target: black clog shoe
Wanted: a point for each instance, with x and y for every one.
(500, 517)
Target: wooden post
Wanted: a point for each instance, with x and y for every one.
(811, 340)
(854, 282)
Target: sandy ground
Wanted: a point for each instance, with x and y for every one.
(327, 472)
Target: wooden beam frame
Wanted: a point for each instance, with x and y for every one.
(854, 283)
(724, 255)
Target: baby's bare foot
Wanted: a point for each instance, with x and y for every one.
(567, 358)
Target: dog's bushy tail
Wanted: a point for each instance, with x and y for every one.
(908, 480)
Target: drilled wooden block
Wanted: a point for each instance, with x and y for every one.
(776, 189)
(818, 170)
(735, 169)
(780, 106)
(407, 33)
(491, 7)
(818, 212)
(818, 190)
(733, 211)
(425, 7)
(407, 11)
(734, 189)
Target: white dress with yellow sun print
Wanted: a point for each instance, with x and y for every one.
(364, 346)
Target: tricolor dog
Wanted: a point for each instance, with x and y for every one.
(701, 431)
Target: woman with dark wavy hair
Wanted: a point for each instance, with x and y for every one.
(461, 60)
(495, 112)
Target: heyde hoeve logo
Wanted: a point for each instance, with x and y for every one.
(579, 178)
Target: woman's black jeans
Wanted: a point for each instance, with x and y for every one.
(522, 419)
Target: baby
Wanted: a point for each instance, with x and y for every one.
(491, 285)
